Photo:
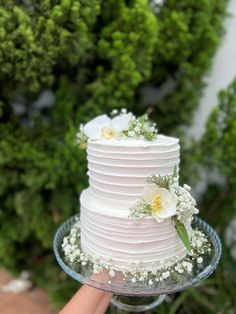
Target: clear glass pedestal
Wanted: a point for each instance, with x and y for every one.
(139, 296)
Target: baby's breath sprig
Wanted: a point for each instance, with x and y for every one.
(141, 209)
(81, 138)
(141, 128)
(186, 206)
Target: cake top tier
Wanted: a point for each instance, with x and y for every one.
(118, 168)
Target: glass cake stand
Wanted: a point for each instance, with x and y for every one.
(139, 296)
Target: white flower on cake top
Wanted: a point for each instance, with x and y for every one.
(105, 127)
(121, 126)
(163, 203)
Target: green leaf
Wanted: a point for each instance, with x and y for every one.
(175, 174)
(183, 234)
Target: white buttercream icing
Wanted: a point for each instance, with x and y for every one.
(115, 164)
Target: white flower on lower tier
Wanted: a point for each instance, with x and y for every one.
(163, 203)
(105, 127)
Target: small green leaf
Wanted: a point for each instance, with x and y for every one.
(175, 174)
(183, 234)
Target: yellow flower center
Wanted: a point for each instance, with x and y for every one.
(108, 133)
(156, 204)
(111, 133)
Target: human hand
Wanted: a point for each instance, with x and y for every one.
(88, 301)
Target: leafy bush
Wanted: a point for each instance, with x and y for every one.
(220, 137)
(91, 56)
(188, 35)
(38, 35)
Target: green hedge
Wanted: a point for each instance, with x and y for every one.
(94, 56)
(220, 137)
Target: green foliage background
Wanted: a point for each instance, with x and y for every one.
(95, 56)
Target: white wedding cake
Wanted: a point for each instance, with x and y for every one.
(133, 212)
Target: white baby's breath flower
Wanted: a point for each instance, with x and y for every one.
(166, 274)
(180, 270)
(199, 260)
(131, 134)
(114, 112)
(112, 273)
(189, 267)
(187, 187)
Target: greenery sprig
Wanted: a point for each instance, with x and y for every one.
(160, 181)
(81, 138)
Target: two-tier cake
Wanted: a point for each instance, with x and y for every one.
(133, 212)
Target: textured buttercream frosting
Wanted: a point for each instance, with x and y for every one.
(118, 168)
(117, 172)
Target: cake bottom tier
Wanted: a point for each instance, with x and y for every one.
(124, 242)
